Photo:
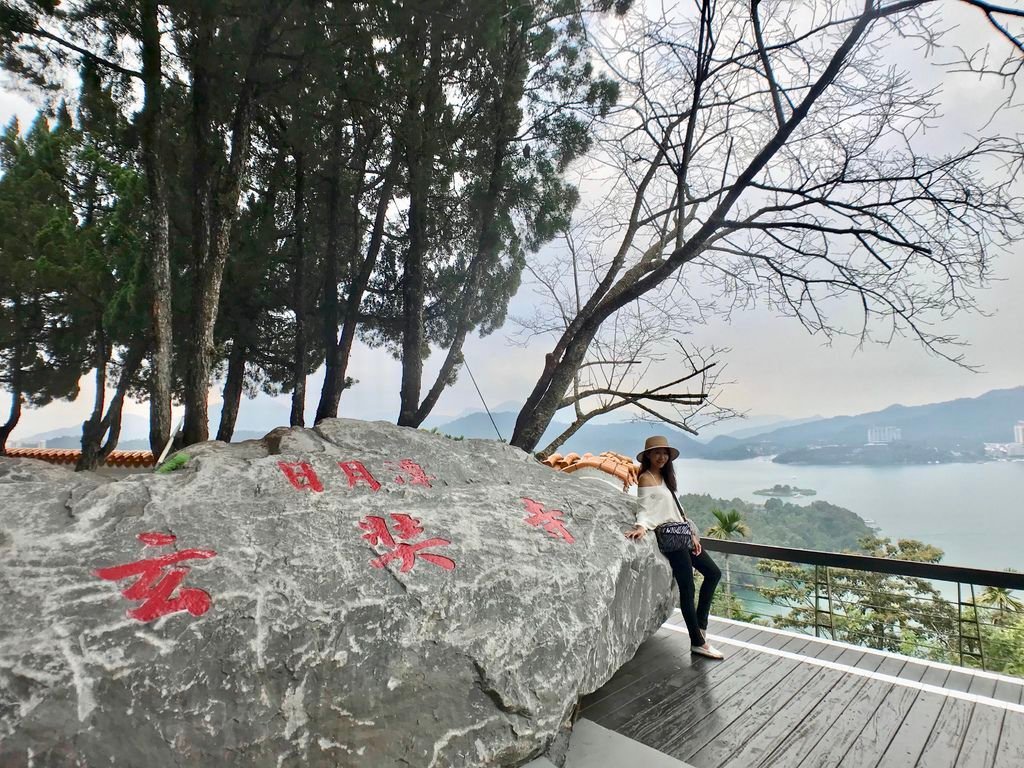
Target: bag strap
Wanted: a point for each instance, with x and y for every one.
(679, 506)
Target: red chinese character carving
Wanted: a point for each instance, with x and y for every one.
(355, 471)
(301, 475)
(416, 474)
(157, 581)
(550, 520)
(407, 527)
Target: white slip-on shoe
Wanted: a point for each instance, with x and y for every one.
(707, 651)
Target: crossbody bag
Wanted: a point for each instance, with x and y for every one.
(675, 537)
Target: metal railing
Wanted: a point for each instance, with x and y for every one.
(921, 609)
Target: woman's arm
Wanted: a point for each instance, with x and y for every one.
(644, 504)
(646, 500)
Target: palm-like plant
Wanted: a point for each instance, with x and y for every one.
(730, 525)
(1001, 598)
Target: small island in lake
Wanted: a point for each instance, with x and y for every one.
(782, 491)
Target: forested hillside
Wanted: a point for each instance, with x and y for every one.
(818, 525)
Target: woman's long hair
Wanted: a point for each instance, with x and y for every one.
(668, 472)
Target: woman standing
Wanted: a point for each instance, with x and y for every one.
(656, 505)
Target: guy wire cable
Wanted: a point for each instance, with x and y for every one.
(473, 379)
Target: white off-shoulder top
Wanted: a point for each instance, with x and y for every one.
(655, 506)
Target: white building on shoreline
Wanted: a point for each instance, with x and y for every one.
(1012, 450)
(884, 435)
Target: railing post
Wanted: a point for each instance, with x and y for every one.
(960, 622)
(977, 626)
(817, 600)
(831, 613)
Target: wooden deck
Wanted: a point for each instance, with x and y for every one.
(785, 700)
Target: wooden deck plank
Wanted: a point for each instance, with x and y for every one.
(756, 636)
(911, 665)
(827, 652)
(822, 651)
(682, 708)
(631, 680)
(959, 680)
(798, 644)
(726, 630)
(744, 633)
(910, 738)
(912, 672)
(786, 719)
(658, 677)
(982, 686)
(934, 675)
(979, 747)
(625, 676)
(802, 740)
(873, 739)
(830, 652)
(846, 729)
(870, 661)
(674, 669)
(947, 735)
(892, 665)
(724, 709)
(1010, 752)
(745, 728)
(777, 640)
(654, 724)
(850, 656)
(1007, 691)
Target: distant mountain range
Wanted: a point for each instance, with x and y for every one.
(935, 432)
(949, 431)
(956, 426)
(625, 437)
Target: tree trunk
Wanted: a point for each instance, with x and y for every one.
(215, 208)
(233, 386)
(413, 291)
(299, 301)
(159, 256)
(419, 148)
(331, 319)
(93, 428)
(12, 420)
(16, 383)
(203, 305)
(338, 354)
(112, 421)
(551, 387)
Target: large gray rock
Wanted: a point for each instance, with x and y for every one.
(309, 638)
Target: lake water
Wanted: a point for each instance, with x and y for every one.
(974, 512)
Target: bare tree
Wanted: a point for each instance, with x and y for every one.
(637, 344)
(767, 150)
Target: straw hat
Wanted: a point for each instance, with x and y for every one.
(658, 441)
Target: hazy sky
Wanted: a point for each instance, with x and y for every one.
(775, 366)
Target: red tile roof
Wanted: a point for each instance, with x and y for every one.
(121, 459)
(622, 467)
